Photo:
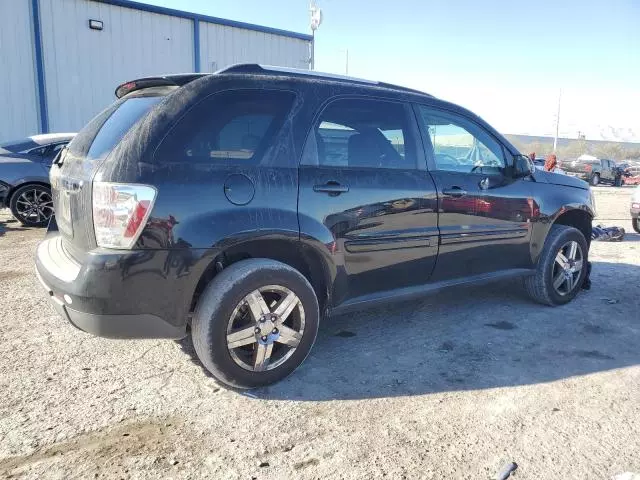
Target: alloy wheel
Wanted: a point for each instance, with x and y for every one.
(34, 205)
(567, 267)
(265, 328)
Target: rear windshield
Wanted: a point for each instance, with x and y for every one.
(17, 146)
(102, 134)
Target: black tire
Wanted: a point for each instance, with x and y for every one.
(540, 286)
(219, 301)
(617, 182)
(636, 224)
(595, 179)
(38, 194)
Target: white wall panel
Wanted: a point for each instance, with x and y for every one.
(18, 89)
(83, 66)
(221, 46)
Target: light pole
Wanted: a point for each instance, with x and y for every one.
(555, 140)
(316, 20)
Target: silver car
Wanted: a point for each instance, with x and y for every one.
(24, 176)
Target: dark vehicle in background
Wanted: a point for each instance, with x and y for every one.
(242, 206)
(594, 170)
(635, 209)
(24, 176)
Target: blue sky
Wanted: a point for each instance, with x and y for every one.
(505, 60)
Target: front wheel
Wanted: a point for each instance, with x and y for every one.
(562, 267)
(636, 224)
(255, 323)
(595, 179)
(32, 205)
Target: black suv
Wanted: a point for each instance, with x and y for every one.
(244, 205)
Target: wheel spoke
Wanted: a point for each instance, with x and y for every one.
(562, 260)
(242, 337)
(577, 266)
(262, 356)
(257, 305)
(288, 336)
(573, 250)
(559, 280)
(570, 282)
(286, 306)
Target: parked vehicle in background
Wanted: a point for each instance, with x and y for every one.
(632, 176)
(24, 176)
(593, 170)
(635, 209)
(539, 163)
(248, 203)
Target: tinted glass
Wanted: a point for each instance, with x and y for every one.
(119, 123)
(17, 146)
(361, 134)
(460, 145)
(230, 127)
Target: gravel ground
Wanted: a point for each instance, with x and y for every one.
(440, 388)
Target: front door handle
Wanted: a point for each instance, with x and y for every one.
(332, 188)
(454, 192)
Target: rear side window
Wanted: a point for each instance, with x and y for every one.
(232, 127)
(361, 133)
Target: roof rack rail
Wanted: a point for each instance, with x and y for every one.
(257, 69)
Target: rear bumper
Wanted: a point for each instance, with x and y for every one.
(96, 298)
(113, 326)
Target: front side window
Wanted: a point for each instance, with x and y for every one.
(229, 127)
(361, 133)
(460, 145)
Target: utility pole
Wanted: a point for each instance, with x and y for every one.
(346, 65)
(555, 140)
(315, 21)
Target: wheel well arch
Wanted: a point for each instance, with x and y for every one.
(12, 190)
(297, 255)
(578, 219)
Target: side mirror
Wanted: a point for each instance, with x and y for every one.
(522, 166)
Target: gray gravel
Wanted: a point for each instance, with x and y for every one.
(453, 386)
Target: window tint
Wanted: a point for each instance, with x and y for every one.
(119, 123)
(361, 134)
(229, 127)
(40, 151)
(56, 148)
(460, 145)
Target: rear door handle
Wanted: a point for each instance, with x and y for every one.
(454, 192)
(332, 188)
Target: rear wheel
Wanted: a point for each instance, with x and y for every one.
(32, 205)
(562, 267)
(636, 224)
(255, 323)
(595, 179)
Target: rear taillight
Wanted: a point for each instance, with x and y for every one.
(635, 205)
(588, 168)
(120, 212)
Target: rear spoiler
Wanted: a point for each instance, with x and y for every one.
(177, 80)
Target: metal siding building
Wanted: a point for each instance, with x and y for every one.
(63, 73)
